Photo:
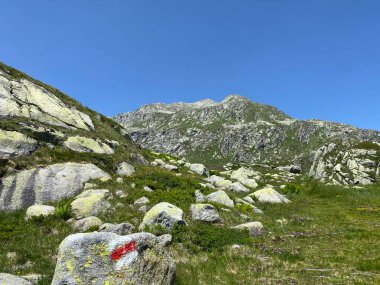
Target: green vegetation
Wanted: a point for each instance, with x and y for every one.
(330, 235)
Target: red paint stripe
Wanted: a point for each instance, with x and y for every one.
(123, 250)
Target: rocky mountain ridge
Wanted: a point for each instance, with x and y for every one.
(237, 130)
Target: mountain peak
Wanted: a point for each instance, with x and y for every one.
(235, 97)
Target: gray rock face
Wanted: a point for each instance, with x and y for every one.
(107, 258)
(8, 279)
(205, 213)
(14, 144)
(125, 169)
(83, 144)
(235, 129)
(24, 98)
(119, 229)
(43, 185)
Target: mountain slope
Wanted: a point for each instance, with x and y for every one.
(236, 130)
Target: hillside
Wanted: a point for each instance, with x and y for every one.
(237, 130)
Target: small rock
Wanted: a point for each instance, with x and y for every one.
(238, 188)
(199, 169)
(143, 209)
(199, 197)
(91, 203)
(205, 213)
(119, 180)
(125, 169)
(163, 214)
(165, 240)
(249, 182)
(39, 210)
(120, 194)
(220, 197)
(269, 195)
(255, 228)
(224, 183)
(85, 224)
(148, 189)
(141, 201)
(120, 229)
(8, 279)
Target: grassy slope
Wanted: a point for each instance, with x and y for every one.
(331, 236)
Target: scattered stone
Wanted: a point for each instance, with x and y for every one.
(120, 194)
(143, 209)
(199, 197)
(163, 214)
(170, 167)
(141, 201)
(112, 259)
(254, 228)
(119, 229)
(238, 188)
(223, 183)
(199, 169)
(241, 173)
(164, 240)
(125, 169)
(44, 185)
(119, 180)
(39, 210)
(83, 144)
(269, 195)
(8, 279)
(204, 213)
(86, 224)
(148, 189)
(282, 221)
(249, 182)
(91, 203)
(213, 179)
(220, 197)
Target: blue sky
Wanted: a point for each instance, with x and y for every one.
(311, 59)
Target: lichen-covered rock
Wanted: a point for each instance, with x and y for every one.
(204, 213)
(8, 279)
(199, 197)
(87, 223)
(238, 188)
(220, 197)
(241, 173)
(269, 195)
(224, 183)
(125, 169)
(43, 185)
(254, 228)
(119, 229)
(107, 258)
(14, 144)
(91, 203)
(163, 214)
(249, 182)
(83, 144)
(23, 98)
(39, 210)
(199, 169)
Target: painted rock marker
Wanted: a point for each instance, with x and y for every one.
(123, 250)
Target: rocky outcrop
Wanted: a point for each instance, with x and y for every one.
(83, 144)
(107, 258)
(43, 185)
(24, 98)
(14, 144)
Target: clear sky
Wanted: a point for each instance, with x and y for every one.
(311, 59)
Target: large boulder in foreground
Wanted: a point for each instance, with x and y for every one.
(48, 184)
(269, 195)
(8, 279)
(163, 214)
(107, 258)
(14, 144)
(83, 144)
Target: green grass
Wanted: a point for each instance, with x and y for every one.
(331, 235)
